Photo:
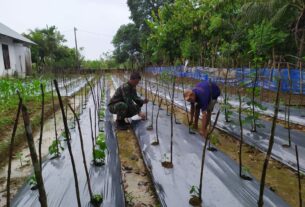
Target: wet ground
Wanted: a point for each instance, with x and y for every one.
(20, 173)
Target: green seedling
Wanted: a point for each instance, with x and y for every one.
(54, 148)
(19, 155)
(195, 196)
(100, 141)
(97, 199)
(63, 134)
(101, 114)
(99, 156)
(213, 139)
(32, 182)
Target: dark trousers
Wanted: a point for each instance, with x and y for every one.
(124, 110)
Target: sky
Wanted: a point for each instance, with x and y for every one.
(96, 20)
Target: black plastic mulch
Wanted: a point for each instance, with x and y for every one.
(259, 139)
(58, 175)
(221, 183)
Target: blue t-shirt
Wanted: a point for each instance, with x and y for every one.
(204, 93)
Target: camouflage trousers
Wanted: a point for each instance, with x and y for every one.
(124, 110)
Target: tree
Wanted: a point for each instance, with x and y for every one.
(48, 41)
(127, 44)
(285, 14)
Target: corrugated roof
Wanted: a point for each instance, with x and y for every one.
(4, 30)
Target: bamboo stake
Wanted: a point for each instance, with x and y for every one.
(83, 151)
(34, 158)
(92, 137)
(271, 141)
(172, 125)
(55, 127)
(69, 144)
(204, 152)
(41, 125)
(299, 177)
(8, 182)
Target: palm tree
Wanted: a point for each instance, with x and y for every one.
(290, 13)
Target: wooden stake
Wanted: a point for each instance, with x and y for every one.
(271, 141)
(8, 195)
(34, 158)
(68, 143)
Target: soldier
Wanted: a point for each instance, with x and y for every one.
(125, 102)
(203, 96)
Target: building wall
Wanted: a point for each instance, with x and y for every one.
(20, 57)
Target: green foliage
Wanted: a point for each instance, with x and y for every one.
(194, 191)
(49, 49)
(63, 134)
(262, 38)
(29, 90)
(101, 113)
(214, 139)
(127, 43)
(96, 199)
(53, 148)
(99, 155)
(19, 155)
(245, 170)
(100, 141)
(32, 180)
(215, 32)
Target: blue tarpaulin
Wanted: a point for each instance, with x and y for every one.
(267, 77)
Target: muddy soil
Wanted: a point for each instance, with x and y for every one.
(137, 183)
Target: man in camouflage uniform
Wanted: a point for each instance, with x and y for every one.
(125, 102)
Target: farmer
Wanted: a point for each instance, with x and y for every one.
(125, 102)
(203, 96)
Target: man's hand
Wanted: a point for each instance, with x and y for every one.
(142, 115)
(145, 101)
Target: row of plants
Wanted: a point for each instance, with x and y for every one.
(57, 146)
(243, 171)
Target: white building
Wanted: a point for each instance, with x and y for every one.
(15, 53)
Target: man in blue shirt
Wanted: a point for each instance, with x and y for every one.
(203, 96)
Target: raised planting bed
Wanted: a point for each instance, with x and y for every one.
(222, 185)
(58, 176)
(259, 139)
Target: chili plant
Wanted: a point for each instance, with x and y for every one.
(195, 196)
(54, 148)
(32, 181)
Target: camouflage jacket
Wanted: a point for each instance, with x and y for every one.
(126, 93)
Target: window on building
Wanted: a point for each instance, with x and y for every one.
(6, 57)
